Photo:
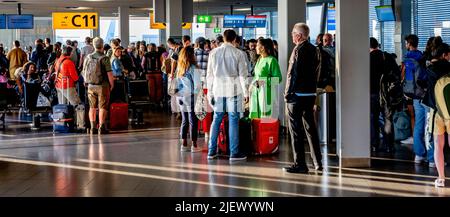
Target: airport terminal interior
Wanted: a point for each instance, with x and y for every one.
(46, 155)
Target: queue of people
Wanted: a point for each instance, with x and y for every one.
(232, 79)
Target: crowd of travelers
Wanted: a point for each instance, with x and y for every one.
(408, 101)
(220, 86)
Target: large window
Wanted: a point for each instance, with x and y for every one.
(314, 19)
(109, 28)
(42, 29)
(382, 31)
(140, 30)
(79, 35)
(431, 18)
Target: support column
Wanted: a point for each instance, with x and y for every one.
(124, 25)
(96, 32)
(162, 36)
(353, 82)
(290, 12)
(174, 16)
(402, 26)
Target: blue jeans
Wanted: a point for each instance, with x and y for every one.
(231, 105)
(420, 114)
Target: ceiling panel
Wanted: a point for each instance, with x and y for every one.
(138, 7)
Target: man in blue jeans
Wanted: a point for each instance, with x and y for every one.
(411, 62)
(226, 79)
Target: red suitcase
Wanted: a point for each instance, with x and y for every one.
(223, 142)
(118, 116)
(155, 87)
(265, 135)
(206, 123)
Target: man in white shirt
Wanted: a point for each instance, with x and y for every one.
(226, 78)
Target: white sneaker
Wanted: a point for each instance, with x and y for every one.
(185, 148)
(196, 149)
(409, 140)
(439, 183)
(212, 157)
(419, 159)
(238, 158)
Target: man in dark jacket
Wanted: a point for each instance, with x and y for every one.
(300, 96)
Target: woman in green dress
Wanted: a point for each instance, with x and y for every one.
(264, 87)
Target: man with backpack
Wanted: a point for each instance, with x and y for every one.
(414, 87)
(98, 77)
(386, 95)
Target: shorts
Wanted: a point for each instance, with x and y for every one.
(98, 96)
(70, 95)
(441, 126)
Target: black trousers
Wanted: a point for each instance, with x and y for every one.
(388, 128)
(189, 121)
(301, 122)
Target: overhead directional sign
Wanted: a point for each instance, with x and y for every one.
(256, 21)
(22, 21)
(233, 21)
(204, 19)
(2, 21)
(75, 20)
(155, 25)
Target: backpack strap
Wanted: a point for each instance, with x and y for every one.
(60, 66)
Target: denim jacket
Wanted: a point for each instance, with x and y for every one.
(188, 87)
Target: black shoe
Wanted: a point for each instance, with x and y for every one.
(296, 169)
(319, 168)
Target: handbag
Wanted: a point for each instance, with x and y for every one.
(173, 87)
(200, 106)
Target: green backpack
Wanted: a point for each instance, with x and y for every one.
(442, 95)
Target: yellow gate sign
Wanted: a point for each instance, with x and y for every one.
(154, 25)
(68, 20)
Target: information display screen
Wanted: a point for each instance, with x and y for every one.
(24, 21)
(233, 21)
(2, 21)
(385, 13)
(257, 21)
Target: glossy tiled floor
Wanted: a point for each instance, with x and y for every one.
(147, 162)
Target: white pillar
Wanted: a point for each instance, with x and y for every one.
(290, 12)
(174, 15)
(353, 83)
(124, 25)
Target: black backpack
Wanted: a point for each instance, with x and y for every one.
(391, 89)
